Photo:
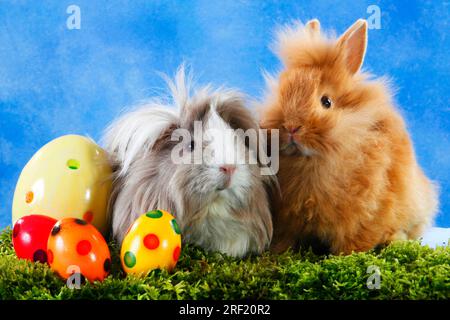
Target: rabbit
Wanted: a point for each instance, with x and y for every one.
(221, 204)
(348, 173)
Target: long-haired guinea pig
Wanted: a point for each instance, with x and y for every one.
(209, 179)
(348, 173)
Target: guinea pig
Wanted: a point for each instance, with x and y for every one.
(348, 173)
(182, 156)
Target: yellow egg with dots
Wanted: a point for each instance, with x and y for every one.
(68, 177)
(152, 242)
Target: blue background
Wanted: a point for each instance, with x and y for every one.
(55, 81)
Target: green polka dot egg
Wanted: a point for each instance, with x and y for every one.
(152, 242)
(69, 177)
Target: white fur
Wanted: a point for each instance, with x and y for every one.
(137, 131)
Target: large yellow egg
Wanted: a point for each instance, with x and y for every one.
(68, 177)
(153, 242)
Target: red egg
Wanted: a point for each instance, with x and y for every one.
(30, 237)
(74, 244)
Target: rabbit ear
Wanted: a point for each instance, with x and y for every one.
(137, 132)
(313, 26)
(354, 44)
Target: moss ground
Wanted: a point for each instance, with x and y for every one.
(408, 271)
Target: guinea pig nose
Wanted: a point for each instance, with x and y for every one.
(227, 169)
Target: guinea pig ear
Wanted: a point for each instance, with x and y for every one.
(313, 26)
(233, 111)
(354, 43)
(231, 108)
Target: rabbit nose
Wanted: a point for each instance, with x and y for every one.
(227, 169)
(292, 129)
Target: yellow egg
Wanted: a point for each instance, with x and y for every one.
(153, 242)
(68, 177)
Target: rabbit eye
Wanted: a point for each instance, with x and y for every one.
(326, 102)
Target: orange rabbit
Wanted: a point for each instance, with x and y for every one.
(348, 173)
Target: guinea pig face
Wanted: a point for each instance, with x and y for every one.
(224, 155)
(216, 163)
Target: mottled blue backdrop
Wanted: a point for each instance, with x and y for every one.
(55, 81)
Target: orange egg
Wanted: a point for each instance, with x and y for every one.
(74, 244)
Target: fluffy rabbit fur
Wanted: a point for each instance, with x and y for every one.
(215, 210)
(348, 174)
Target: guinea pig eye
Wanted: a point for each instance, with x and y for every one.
(191, 146)
(326, 102)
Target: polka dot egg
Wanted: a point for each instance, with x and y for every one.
(75, 246)
(68, 177)
(153, 242)
(30, 236)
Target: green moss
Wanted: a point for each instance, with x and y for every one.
(408, 271)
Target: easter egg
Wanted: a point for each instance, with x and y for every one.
(153, 242)
(30, 236)
(74, 244)
(68, 177)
